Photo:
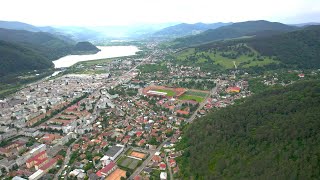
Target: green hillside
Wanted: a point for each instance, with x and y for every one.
(224, 55)
(272, 135)
(15, 58)
(26, 51)
(296, 49)
(300, 48)
(85, 47)
(236, 30)
(47, 44)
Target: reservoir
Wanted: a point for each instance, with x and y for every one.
(106, 52)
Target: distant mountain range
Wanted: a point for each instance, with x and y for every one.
(23, 50)
(185, 29)
(235, 30)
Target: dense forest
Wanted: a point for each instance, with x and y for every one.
(15, 58)
(299, 48)
(85, 47)
(271, 135)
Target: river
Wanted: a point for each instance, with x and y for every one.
(106, 52)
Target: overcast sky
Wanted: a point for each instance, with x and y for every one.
(128, 12)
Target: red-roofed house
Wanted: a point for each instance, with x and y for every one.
(172, 162)
(107, 170)
(141, 142)
(139, 133)
(162, 166)
(156, 158)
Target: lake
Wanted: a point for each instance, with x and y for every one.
(106, 52)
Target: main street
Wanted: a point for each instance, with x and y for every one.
(147, 161)
(203, 103)
(65, 162)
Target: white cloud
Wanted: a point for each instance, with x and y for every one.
(124, 12)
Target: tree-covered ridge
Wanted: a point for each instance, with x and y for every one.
(296, 49)
(25, 51)
(299, 48)
(236, 30)
(272, 135)
(46, 44)
(185, 29)
(15, 58)
(85, 46)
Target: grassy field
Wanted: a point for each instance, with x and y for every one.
(196, 93)
(96, 62)
(243, 61)
(169, 92)
(192, 97)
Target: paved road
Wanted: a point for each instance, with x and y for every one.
(147, 161)
(170, 169)
(203, 103)
(66, 161)
(235, 66)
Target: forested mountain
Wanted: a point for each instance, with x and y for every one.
(184, 29)
(272, 135)
(24, 50)
(299, 48)
(86, 47)
(15, 58)
(235, 30)
(296, 49)
(45, 43)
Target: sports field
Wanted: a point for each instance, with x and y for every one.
(191, 97)
(198, 96)
(128, 162)
(117, 174)
(137, 154)
(169, 92)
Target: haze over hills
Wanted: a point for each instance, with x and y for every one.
(185, 29)
(235, 30)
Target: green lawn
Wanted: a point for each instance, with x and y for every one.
(169, 92)
(196, 93)
(192, 97)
